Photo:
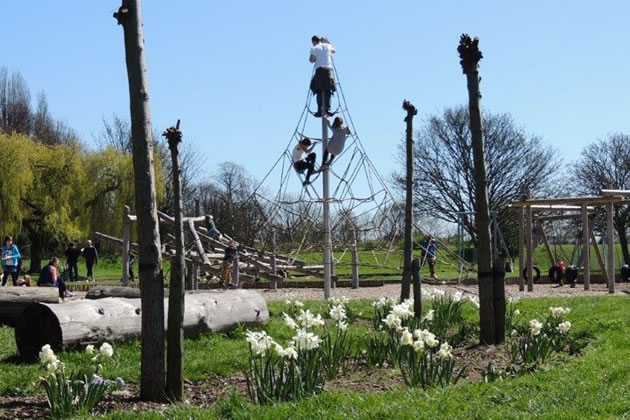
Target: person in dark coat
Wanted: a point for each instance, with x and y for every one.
(72, 259)
(91, 258)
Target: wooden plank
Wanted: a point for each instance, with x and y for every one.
(193, 231)
(561, 217)
(586, 253)
(610, 235)
(521, 249)
(592, 200)
(530, 251)
(541, 230)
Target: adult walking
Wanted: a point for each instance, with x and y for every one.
(323, 81)
(72, 259)
(91, 258)
(10, 261)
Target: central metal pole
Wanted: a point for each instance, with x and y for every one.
(327, 241)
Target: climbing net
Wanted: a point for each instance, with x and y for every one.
(362, 206)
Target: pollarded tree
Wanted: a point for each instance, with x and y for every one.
(605, 164)
(443, 169)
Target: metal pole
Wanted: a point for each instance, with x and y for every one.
(274, 282)
(125, 246)
(235, 270)
(530, 250)
(327, 241)
(610, 235)
(355, 262)
(521, 250)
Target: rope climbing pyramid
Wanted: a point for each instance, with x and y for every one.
(362, 205)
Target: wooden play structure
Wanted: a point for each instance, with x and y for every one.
(537, 211)
(204, 254)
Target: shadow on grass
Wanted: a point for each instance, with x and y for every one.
(17, 359)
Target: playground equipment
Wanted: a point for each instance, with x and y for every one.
(526, 208)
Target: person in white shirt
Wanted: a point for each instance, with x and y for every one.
(323, 82)
(304, 159)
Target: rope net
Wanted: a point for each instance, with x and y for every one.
(362, 206)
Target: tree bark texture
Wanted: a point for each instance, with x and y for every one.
(176, 304)
(470, 56)
(408, 252)
(13, 300)
(149, 258)
(82, 322)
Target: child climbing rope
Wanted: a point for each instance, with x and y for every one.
(337, 142)
(212, 228)
(304, 159)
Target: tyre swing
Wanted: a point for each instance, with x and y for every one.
(536, 273)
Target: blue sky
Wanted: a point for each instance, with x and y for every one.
(236, 72)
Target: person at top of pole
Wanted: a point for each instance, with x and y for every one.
(337, 142)
(304, 158)
(323, 81)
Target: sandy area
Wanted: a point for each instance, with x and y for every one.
(393, 290)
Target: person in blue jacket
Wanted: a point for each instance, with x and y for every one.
(10, 261)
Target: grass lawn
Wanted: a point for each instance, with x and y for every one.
(592, 385)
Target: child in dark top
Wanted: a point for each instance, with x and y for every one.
(226, 266)
(91, 257)
(72, 258)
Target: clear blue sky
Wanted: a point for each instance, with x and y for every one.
(236, 72)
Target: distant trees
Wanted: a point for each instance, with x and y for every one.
(605, 164)
(443, 169)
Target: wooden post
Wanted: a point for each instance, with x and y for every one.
(149, 259)
(598, 254)
(189, 275)
(610, 235)
(586, 253)
(274, 282)
(355, 262)
(521, 250)
(333, 272)
(176, 300)
(197, 207)
(125, 246)
(543, 235)
(194, 273)
(235, 270)
(408, 251)
(530, 249)
(417, 288)
(499, 299)
(470, 56)
(326, 204)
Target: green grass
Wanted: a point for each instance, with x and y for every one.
(593, 385)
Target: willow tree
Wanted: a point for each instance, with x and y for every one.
(150, 260)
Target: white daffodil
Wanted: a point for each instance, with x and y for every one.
(559, 311)
(393, 322)
(457, 296)
(46, 354)
(403, 310)
(429, 316)
(338, 313)
(445, 351)
(304, 340)
(106, 350)
(474, 300)
(516, 312)
(514, 333)
(289, 321)
(535, 327)
(342, 325)
(89, 349)
(513, 299)
(418, 346)
(260, 342)
(307, 320)
(564, 327)
(406, 338)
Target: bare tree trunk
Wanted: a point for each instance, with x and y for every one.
(408, 253)
(150, 260)
(470, 56)
(175, 334)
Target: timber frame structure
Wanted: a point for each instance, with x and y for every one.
(578, 207)
(249, 263)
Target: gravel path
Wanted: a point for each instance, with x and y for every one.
(393, 290)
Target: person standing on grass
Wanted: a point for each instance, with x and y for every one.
(72, 259)
(49, 278)
(429, 254)
(10, 261)
(226, 266)
(91, 258)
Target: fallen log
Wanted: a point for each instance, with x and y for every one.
(13, 300)
(88, 321)
(101, 292)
